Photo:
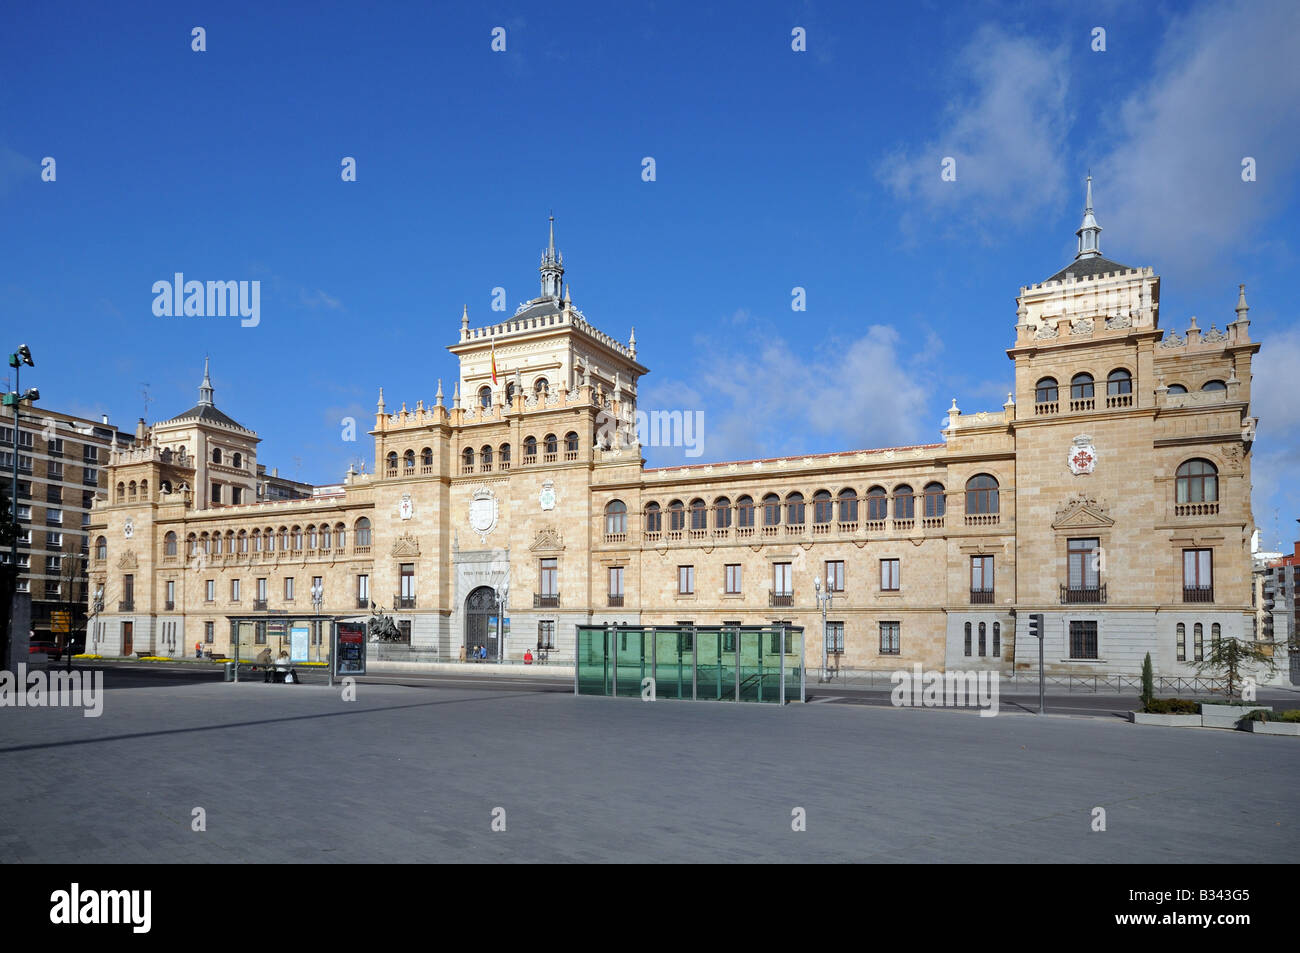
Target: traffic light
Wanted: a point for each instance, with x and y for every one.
(1036, 625)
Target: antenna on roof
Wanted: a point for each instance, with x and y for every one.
(144, 393)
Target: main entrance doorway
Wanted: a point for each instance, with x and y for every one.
(128, 638)
(480, 630)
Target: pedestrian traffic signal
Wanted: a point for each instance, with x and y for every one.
(1036, 624)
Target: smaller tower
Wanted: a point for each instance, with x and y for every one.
(205, 389)
(1089, 232)
(552, 269)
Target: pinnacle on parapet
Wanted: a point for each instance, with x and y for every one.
(1242, 308)
(1089, 232)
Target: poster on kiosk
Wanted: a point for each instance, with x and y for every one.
(350, 650)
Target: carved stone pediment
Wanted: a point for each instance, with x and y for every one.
(406, 545)
(1082, 512)
(127, 560)
(548, 541)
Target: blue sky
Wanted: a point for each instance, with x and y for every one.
(775, 169)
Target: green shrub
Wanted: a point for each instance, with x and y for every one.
(1173, 706)
(1262, 714)
(1148, 686)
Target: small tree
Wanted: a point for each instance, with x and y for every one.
(1148, 683)
(1231, 658)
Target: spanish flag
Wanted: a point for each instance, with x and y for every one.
(494, 361)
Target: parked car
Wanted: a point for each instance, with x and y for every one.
(43, 646)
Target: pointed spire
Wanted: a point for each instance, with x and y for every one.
(205, 389)
(552, 269)
(631, 343)
(1089, 232)
(438, 396)
(380, 409)
(1242, 308)
(455, 397)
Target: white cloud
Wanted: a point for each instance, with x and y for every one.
(1225, 85)
(763, 395)
(1276, 451)
(1007, 137)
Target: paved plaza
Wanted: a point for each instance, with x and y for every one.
(414, 773)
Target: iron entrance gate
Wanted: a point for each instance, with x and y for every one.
(480, 607)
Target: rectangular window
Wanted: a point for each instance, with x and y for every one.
(1198, 575)
(686, 580)
(1084, 571)
(733, 579)
(209, 632)
(54, 540)
(889, 575)
(234, 590)
(171, 592)
(216, 493)
(236, 494)
(1083, 639)
(261, 589)
(616, 580)
(782, 579)
(981, 574)
(408, 585)
(363, 588)
(835, 638)
(546, 634)
(890, 638)
(550, 576)
(54, 471)
(288, 588)
(835, 575)
(210, 590)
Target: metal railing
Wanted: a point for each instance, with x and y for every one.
(1094, 595)
(778, 600)
(981, 597)
(546, 601)
(1198, 593)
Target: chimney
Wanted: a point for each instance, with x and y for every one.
(104, 419)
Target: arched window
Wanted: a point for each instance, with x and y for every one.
(467, 459)
(1177, 389)
(877, 504)
(361, 532)
(794, 509)
(324, 535)
(130, 490)
(166, 455)
(615, 517)
(426, 457)
(1046, 392)
(745, 512)
(216, 544)
(191, 545)
(216, 455)
(257, 540)
(165, 486)
(485, 457)
(967, 645)
(722, 513)
(848, 505)
(297, 538)
(822, 506)
(510, 394)
(530, 449)
(485, 398)
(101, 546)
(1081, 386)
(771, 510)
(504, 456)
(121, 492)
(1180, 642)
(654, 518)
(340, 536)
(207, 544)
(981, 494)
(312, 539)
(983, 640)
(571, 444)
(552, 445)
(243, 541)
(904, 503)
(270, 539)
(676, 516)
(541, 386)
(180, 455)
(237, 461)
(997, 640)
(1197, 482)
(934, 499)
(1214, 385)
(699, 514)
(408, 459)
(284, 539)
(1119, 381)
(144, 489)
(392, 461)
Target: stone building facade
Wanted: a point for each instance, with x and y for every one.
(1111, 493)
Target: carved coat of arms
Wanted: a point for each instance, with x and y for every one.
(1083, 455)
(483, 512)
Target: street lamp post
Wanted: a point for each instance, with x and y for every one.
(823, 603)
(503, 594)
(13, 399)
(317, 599)
(96, 608)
